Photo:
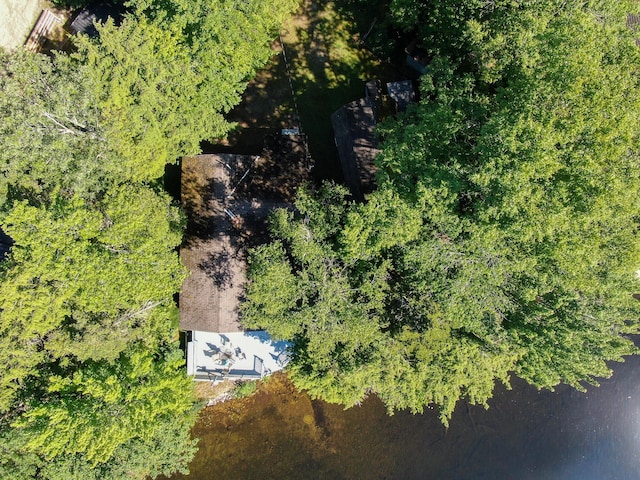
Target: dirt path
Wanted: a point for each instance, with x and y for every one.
(17, 18)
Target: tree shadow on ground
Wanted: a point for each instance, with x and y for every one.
(329, 67)
(266, 107)
(280, 170)
(196, 195)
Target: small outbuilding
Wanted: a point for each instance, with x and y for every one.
(402, 93)
(84, 21)
(354, 132)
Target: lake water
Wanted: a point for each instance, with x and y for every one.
(525, 435)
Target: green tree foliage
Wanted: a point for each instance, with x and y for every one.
(87, 318)
(107, 421)
(93, 384)
(165, 77)
(51, 136)
(84, 282)
(97, 409)
(166, 451)
(148, 95)
(335, 324)
(530, 153)
(330, 284)
(503, 237)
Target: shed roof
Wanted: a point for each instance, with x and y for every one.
(85, 19)
(5, 244)
(223, 221)
(354, 130)
(402, 93)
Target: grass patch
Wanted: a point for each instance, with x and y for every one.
(244, 389)
(329, 68)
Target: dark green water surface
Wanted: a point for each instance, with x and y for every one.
(280, 433)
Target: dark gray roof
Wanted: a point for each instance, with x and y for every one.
(85, 23)
(5, 244)
(354, 131)
(402, 93)
(87, 17)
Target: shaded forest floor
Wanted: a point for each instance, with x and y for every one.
(328, 67)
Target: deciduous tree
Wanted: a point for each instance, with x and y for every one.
(503, 236)
(164, 79)
(50, 130)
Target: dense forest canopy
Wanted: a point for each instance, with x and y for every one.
(503, 237)
(93, 383)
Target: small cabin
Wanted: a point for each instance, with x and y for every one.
(223, 222)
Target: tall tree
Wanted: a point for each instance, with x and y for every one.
(51, 133)
(84, 283)
(127, 419)
(165, 78)
(503, 236)
(541, 143)
(93, 384)
(103, 406)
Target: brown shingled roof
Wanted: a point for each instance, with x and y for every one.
(224, 221)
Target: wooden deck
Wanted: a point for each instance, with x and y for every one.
(47, 22)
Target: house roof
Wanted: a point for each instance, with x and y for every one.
(224, 220)
(354, 130)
